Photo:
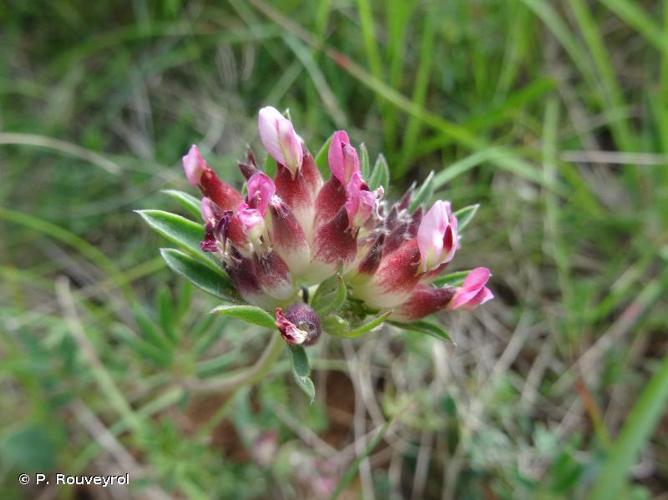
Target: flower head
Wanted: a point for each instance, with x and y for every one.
(292, 232)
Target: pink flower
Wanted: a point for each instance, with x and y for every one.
(280, 139)
(262, 280)
(473, 291)
(209, 210)
(265, 448)
(251, 223)
(334, 245)
(437, 236)
(288, 237)
(194, 165)
(395, 278)
(361, 203)
(200, 174)
(342, 157)
(299, 192)
(260, 191)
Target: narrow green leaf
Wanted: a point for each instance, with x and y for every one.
(638, 427)
(364, 161)
(206, 331)
(360, 330)
(189, 203)
(247, 313)
(452, 279)
(465, 215)
(425, 327)
(335, 325)
(321, 157)
(423, 73)
(184, 298)
(211, 367)
(424, 193)
(330, 295)
(351, 472)
(211, 281)
(181, 231)
(380, 176)
(270, 166)
(149, 330)
(166, 312)
(142, 348)
(328, 98)
(639, 17)
(301, 371)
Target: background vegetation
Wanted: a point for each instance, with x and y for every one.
(552, 114)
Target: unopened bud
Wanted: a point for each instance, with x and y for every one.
(299, 324)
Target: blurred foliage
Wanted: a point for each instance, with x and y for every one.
(553, 115)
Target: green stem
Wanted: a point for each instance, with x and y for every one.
(245, 376)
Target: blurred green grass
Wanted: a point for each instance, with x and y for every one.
(552, 115)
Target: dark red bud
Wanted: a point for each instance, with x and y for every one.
(248, 167)
(407, 197)
(302, 317)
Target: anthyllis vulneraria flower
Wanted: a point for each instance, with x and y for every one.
(326, 253)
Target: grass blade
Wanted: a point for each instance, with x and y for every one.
(640, 423)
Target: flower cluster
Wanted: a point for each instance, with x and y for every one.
(293, 231)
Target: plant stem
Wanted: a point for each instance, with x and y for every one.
(245, 376)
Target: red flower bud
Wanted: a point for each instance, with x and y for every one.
(299, 325)
(200, 174)
(473, 291)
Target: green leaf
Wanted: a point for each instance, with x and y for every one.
(166, 312)
(247, 313)
(209, 280)
(452, 279)
(149, 331)
(638, 427)
(181, 231)
(330, 295)
(184, 299)
(211, 367)
(206, 331)
(351, 472)
(335, 325)
(364, 161)
(464, 215)
(424, 193)
(145, 350)
(29, 447)
(371, 325)
(270, 166)
(189, 203)
(423, 326)
(380, 176)
(301, 371)
(338, 331)
(321, 157)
